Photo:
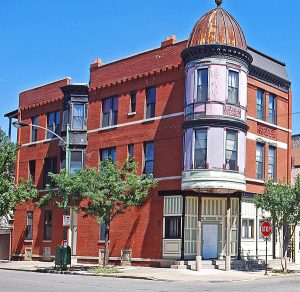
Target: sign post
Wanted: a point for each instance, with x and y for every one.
(266, 231)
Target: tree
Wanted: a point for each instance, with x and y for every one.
(12, 193)
(282, 201)
(112, 190)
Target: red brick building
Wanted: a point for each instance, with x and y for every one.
(209, 116)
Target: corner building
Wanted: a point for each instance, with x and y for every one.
(210, 117)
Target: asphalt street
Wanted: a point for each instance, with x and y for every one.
(28, 281)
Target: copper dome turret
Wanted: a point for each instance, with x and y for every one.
(217, 27)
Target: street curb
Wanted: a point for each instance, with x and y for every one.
(85, 274)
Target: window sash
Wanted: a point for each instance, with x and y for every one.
(150, 102)
(200, 152)
(110, 111)
(34, 130)
(29, 224)
(272, 109)
(76, 161)
(53, 124)
(172, 227)
(260, 105)
(233, 87)
(248, 228)
(149, 157)
(231, 150)
(108, 152)
(260, 161)
(102, 231)
(272, 163)
(202, 86)
(133, 102)
(131, 150)
(48, 225)
(32, 165)
(78, 116)
(50, 165)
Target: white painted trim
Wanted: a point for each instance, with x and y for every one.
(255, 180)
(255, 137)
(168, 178)
(137, 122)
(269, 124)
(39, 142)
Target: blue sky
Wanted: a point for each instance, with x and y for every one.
(42, 41)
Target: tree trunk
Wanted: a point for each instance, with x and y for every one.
(106, 247)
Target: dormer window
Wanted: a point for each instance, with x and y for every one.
(202, 85)
(233, 87)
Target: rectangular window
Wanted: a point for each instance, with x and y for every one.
(231, 150)
(149, 157)
(31, 166)
(131, 150)
(102, 231)
(150, 102)
(108, 153)
(233, 87)
(29, 223)
(53, 122)
(200, 149)
(202, 86)
(47, 225)
(260, 161)
(50, 165)
(65, 120)
(110, 111)
(34, 130)
(78, 116)
(133, 102)
(272, 163)
(248, 228)
(272, 109)
(260, 104)
(173, 227)
(76, 161)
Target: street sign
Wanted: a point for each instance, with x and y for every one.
(266, 229)
(66, 220)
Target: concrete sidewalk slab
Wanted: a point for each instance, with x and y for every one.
(158, 274)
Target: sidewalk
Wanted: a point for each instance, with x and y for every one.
(159, 274)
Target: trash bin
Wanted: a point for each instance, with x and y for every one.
(63, 257)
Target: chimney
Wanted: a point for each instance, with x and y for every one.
(168, 41)
(96, 63)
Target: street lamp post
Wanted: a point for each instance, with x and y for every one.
(66, 144)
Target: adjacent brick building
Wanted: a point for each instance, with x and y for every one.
(209, 116)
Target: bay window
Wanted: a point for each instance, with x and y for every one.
(78, 116)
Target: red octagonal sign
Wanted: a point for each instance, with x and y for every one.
(266, 229)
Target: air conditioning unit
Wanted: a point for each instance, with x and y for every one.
(47, 254)
(28, 254)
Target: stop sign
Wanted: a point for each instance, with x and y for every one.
(266, 229)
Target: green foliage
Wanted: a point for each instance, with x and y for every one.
(11, 193)
(282, 201)
(66, 188)
(112, 189)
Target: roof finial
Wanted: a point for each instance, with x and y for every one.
(219, 2)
